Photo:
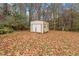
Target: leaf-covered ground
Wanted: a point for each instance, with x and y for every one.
(53, 43)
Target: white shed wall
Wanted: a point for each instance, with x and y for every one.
(38, 26)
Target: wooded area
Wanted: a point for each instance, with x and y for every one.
(17, 16)
(60, 40)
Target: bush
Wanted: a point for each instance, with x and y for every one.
(13, 22)
(19, 23)
(5, 29)
(16, 21)
(50, 25)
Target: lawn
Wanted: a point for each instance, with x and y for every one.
(53, 43)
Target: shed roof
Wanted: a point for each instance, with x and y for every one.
(39, 21)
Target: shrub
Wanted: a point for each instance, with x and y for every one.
(13, 22)
(20, 22)
(16, 21)
(5, 29)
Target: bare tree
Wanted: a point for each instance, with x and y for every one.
(22, 8)
(5, 8)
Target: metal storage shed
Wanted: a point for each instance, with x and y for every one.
(39, 26)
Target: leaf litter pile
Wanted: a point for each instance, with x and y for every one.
(53, 43)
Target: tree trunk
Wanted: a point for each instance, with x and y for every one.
(5, 9)
(22, 8)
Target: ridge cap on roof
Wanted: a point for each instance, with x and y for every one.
(39, 20)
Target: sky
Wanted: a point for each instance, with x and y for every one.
(67, 5)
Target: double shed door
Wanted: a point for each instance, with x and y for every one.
(37, 27)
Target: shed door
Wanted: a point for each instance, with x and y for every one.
(37, 27)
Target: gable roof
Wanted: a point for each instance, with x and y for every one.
(39, 21)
